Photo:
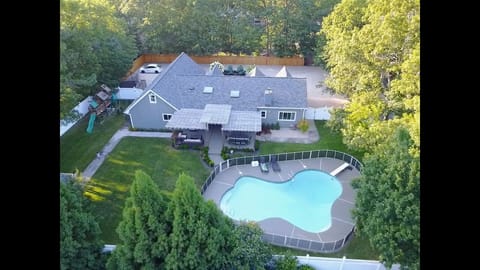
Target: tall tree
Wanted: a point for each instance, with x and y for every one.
(388, 201)
(250, 251)
(200, 233)
(94, 49)
(80, 244)
(372, 52)
(144, 228)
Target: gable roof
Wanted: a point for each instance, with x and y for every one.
(284, 73)
(255, 72)
(186, 91)
(182, 82)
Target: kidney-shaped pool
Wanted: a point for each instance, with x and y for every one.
(305, 200)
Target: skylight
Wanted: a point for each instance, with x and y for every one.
(234, 93)
(208, 90)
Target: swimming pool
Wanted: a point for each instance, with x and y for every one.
(305, 200)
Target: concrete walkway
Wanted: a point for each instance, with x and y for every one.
(292, 136)
(95, 164)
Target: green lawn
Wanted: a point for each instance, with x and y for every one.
(328, 140)
(109, 186)
(357, 248)
(78, 148)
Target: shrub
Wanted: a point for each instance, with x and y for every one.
(303, 125)
(257, 145)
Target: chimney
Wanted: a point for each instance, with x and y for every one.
(268, 97)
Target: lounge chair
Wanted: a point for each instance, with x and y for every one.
(263, 165)
(274, 164)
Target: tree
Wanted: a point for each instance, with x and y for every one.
(94, 49)
(372, 53)
(286, 262)
(144, 228)
(80, 245)
(250, 251)
(387, 207)
(201, 234)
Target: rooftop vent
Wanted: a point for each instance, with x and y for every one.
(234, 93)
(191, 88)
(208, 90)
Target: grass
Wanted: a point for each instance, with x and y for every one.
(110, 185)
(78, 148)
(358, 248)
(328, 140)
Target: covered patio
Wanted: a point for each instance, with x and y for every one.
(215, 123)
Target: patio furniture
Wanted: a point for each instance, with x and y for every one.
(263, 165)
(274, 164)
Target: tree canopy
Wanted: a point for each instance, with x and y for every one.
(94, 49)
(373, 54)
(144, 228)
(80, 245)
(201, 234)
(388, 201)
(182, 231)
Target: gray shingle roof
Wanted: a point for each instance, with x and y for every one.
(186, 119)
(249, 121)
(183, 82)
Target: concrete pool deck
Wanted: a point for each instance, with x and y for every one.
(342, 222)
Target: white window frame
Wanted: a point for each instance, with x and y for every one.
(165, 114)
(263, 111)
(292, 112)
(154, 98)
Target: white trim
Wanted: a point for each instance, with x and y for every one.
(154, 101)
(265, 111)
(133, 104)
(294, 116)
(163, 116)
(131, 120)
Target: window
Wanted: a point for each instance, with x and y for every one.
(153, 99)
(166, 116)
(263, 114)
(286, 116)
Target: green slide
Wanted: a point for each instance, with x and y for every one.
(93, 115)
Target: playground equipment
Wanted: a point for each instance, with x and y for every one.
(99, 104)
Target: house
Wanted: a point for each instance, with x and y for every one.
(201, 105)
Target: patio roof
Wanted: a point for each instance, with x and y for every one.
(186, 119)
(215, 114)
(249, 121)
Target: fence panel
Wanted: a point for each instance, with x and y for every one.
(321, 113)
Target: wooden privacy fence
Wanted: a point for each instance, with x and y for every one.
(226, 60)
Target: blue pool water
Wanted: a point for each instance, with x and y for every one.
(305, 200)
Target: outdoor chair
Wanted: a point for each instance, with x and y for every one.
(263, 165)
(274, 164)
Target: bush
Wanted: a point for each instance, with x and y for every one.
(276, 126)
(257, 145)
(303, 125)
(305, 267)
